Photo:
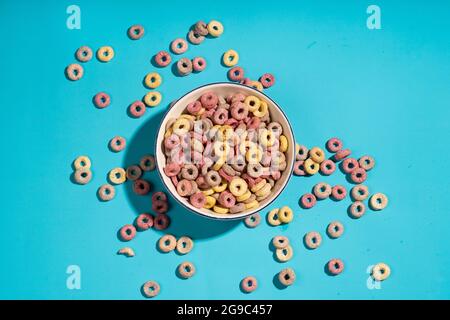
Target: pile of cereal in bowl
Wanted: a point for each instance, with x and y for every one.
(225, 153)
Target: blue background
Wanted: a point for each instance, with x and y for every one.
(384, 92)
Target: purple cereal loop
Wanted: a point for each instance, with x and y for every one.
(161, 221)
(159, 196)
(239, 207)
(160, 206)
(184, 187)
(195, 38)
(141, 187)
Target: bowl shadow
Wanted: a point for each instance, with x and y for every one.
(183, 221)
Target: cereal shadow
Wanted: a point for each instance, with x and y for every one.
(174, 70)
(183, 221)
(327, 272)
(350, 214)
(276, 282)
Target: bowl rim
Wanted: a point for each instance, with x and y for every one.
(225, 217)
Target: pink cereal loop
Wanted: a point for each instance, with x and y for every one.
(267, 80)
(163, 58)
(137, 109)
(199, 64)
(209, 100)
(308, 200)
(342, 154)
(194, 107)
(236, 74)
(198, 199)
(127, 232)
(349, 165)
(334, 145)
(144, 221)
(338, 192)
(172, 169)
(102, 100)
(327, 167)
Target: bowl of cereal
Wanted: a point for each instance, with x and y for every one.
(225, 150)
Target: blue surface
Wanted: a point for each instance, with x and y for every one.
(384, 92)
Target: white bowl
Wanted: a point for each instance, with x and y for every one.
(225, 88)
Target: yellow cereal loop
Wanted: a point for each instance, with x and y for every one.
(152, 80)
(238, 187)
(264, 191)
(381, 271)
(259, 185)
(284, 144)
(246, 146)
(117, 176)
(153, 98)
(221, 187)
(82, 162)
(221, 149)
(219, 209)
(168, 133)
(215, 28)
(219, 163)
(105, 54)
(310, 166)
(267, 138)
(253, 155)
(262, 110)
(284, 254)
(273, 218)
(225, 133)
(256, 85)
(244, 197)
(210, 202)
(181, 127)
(208, 192)
(317, 155)
(285, 214)
(230, 58)
(252, 204)
(253, 103)
(187, 116)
